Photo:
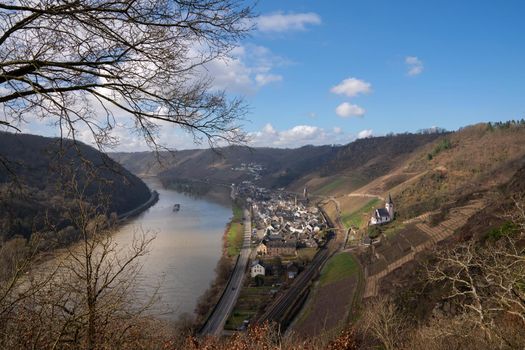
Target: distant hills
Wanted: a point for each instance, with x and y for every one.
(268, 167)
(33, 177)
(422, 170)
(315, 166)
(458, 199)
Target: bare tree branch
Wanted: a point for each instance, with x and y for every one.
(141, 57)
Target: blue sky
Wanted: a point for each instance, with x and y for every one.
(324, 72)
(411, 65)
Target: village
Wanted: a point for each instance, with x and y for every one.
(287, 233)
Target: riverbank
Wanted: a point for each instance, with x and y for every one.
(231, 245)
(185, 255)
(154, 198)
(219, 194)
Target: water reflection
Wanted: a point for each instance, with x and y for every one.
(185, 251)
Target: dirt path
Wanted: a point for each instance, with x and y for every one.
(368, 195)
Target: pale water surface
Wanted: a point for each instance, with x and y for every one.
(186, 249)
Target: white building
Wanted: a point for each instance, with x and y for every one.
(257, 269)
(383, 215)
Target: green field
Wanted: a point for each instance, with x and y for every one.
(237, 212)
(355, 218)
(338, 267)
(235, 234)
(393, 228)
(331, 186)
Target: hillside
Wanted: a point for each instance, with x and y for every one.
(326, 169)
(475, 159)
(422, 172)
(356, 176)
(269, 167)
(362, 161)
(34, 177)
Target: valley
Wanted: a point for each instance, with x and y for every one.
(421, 185)
(262, 175)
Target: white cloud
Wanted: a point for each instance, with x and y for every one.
(280, 22)
(300, 133)
(363, 134)
(264, 79)
(414, 64)
(248, 68)
(352, 87)
(297, 136)
(346, 110)
(231, 74)
(269, 129)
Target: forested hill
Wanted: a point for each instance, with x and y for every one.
(35, 172)
(278, 167)
(269, 167)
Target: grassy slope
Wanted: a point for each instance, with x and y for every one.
(331, 298)
(356, 218)
(234, 236)
(475, 158)
(472, 159)
(340, 266)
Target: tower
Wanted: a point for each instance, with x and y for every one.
(389, 205)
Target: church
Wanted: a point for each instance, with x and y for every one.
(383, 215)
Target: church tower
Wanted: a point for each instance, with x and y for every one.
(389, 205)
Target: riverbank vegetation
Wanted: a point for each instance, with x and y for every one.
(82, 298)
(32, 186)
(232, 242)
(192, 188)
(234, 232)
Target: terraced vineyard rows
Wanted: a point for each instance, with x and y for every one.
(458, 218)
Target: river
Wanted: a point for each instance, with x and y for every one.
(185, 251)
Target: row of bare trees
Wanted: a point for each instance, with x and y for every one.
(82, 297)
(91, 66)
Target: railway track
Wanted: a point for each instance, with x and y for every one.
(283, 308)
(278, 310)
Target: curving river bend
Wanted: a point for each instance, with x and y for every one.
(185, 251)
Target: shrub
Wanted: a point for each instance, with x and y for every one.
(508, 228)
(443, 145)
(374, 231)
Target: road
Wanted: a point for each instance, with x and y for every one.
(215, 324)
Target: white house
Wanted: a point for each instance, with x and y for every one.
(383, 215)
(257, 269)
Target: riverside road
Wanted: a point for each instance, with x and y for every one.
(215, 324)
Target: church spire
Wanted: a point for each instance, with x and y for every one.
(390, 199)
